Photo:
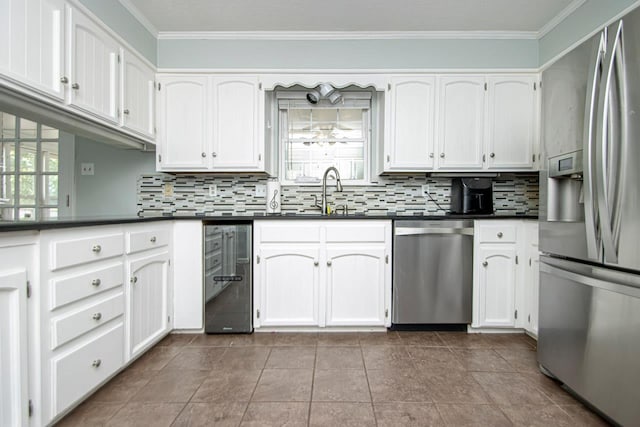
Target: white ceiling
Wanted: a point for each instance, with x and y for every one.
(526, 16)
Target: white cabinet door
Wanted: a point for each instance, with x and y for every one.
(356, 278)
(183, 119)
(410, 146)
(511, 121)
(138, 89)
(238, 117)
(148, 301)
(461, 117)
(31, 43)
(13, 348)
(287, 281)
(496, 285)
(93, 67)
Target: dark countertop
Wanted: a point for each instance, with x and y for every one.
(6, 226)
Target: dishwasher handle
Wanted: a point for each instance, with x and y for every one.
(416, 231)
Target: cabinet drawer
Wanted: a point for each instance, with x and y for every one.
(65, 328)
(213, 244)
(289, 233)
(358, 233)
(143, 240)
(499, 233)
(213, 261)
(80, 251)
(70, 289)
(78, 372)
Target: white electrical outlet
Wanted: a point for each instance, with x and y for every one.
(213, 190)
(261, 190)
(425, 189)
(86, 168)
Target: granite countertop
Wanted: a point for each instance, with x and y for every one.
(126, 219)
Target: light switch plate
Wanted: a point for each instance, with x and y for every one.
(213, 190)
(261, 190)
(86, 168)
(167, 189)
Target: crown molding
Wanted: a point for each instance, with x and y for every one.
(556, 20)
(345, 35)
(140, 17)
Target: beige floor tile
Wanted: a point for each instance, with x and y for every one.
(334, 339)
(522, 360)
(339, 358)
(235, 385)
(550, 388)
(342, 414)
(228, 414)
(292, 358)
(91, 413)
(156, 358)
(379, 338)
(272, 414)
(123, 386)
(583, 417)
(482, 360)
(202, 358)
(296, 339)
(507, 388)
(146, 414)
(457, 387)
(464, 340)
(425, 338)
(341, 385)
(473, 415)
(537, 415)
(213, 340)
(434, 360)
(177, 340)
(261, 339)
(509, 341)
(284, 385)
(243, 358)
(402, 414)
(380, 357)
(398, 385)
(171, 386)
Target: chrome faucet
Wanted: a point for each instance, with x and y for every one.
(324, 186)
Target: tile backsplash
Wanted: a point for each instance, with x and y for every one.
(394, 194)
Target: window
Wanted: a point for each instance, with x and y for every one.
(314, 137)
(28, 169)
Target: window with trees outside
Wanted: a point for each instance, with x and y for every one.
(28, 170)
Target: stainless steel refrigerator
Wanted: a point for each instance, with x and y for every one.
(589, 331)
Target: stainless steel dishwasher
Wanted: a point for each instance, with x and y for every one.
(432, 272)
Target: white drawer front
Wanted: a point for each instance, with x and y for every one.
(80, 251)
(499, 233)
(78, 372)
(355, 233)
(288, 232)
(68, 327)
(143, 240)
(67, 290)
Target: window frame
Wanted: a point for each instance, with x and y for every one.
(282, 131)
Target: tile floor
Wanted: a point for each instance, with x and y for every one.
(335, 379)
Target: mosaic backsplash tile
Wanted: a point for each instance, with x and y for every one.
(395, 194)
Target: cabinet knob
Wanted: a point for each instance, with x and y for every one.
(442, 155)
(203, 154)
(485, 263)
(75, 86)
(431, 155)
(153, 239)
(134, 279)
(64, 80)
(500, 234)
(96, 248)
(96, 363)
(126, 111)
(316, 263)
(214, 154)
(388, 158)
(492, 155)
(96, 282)
(97, 316)
(329, 263)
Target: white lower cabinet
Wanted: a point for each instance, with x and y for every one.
(312, 279)
(502, 295)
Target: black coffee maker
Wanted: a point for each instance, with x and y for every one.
(472, 196)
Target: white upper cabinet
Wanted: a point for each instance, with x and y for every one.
(32, 43)
(461, 120)
(238, 124)
(511, 123)
(410, 142)
(183, 135)
(93, 70)
(138, 90)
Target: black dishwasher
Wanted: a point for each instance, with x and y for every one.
(228, 277)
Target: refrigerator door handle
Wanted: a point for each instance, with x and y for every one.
(594, 243)
(606, 114)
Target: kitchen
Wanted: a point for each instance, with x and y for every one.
(142, 215)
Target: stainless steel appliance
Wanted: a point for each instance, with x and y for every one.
(227, 278)
(589, 331)
(472, 196)
(432, 272)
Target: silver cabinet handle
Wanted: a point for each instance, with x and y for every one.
(203, 154)
(153, 239)
(214, 154)
(492, 155)
(126, 111)
(97, 316)
(96, 282)
(431, 155)
(96, 248)
(96, 363)
(500, 234)
(64, 80)
(328, 263)
(75, 86)
(442, 155)
(316, 263)
(485, 263)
